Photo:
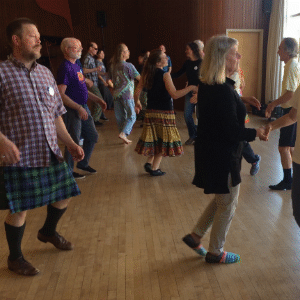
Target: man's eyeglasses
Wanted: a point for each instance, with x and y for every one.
(76, 48)
(95, 48)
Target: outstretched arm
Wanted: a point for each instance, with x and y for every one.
(138, 105)
(287, 96)
(284, 121)
(175, 94)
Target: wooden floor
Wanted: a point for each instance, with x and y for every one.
(127, 229)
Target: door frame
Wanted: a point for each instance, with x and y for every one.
(260, 53)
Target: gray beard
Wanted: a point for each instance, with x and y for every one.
(75, 56)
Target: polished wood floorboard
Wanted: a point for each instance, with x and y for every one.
(127, 229)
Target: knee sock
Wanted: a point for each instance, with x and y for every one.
(287, 175)
(14, 237)
(53, 216)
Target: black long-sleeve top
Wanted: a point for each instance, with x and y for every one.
(191, 68)
(220, 136)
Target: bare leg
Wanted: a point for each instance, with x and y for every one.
(156, 161)
(197, 238)
(17, 219)
(123, 137)
(61, 204)
(286, 157)
(150, 159)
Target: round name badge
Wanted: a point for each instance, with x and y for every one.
(51, 90)
(195, 68)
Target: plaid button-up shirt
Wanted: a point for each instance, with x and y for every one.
(90, 63)
(29, 104)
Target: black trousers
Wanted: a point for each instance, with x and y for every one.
(296, 192)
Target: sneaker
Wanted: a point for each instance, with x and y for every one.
(255, 167)
(78, 176)
(223, 258)
(87, 169)
(190, 141)
(103, 118)
(281, 186)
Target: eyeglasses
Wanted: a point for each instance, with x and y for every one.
(94, 48)
(76, 48)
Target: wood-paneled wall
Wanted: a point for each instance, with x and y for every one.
(143, 24)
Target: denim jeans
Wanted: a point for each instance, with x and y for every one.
(248, 154)
(78, 128)
(189, 109)
(125, 114)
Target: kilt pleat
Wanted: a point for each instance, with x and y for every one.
(28, 188)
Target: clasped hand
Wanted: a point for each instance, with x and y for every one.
(263, 132)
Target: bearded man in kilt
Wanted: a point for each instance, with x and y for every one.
(32, 170)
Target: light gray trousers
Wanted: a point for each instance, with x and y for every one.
(218, 214)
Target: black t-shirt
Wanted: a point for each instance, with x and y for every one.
(158, 97)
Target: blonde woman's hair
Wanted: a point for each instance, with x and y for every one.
(116, 59)
(212, 69)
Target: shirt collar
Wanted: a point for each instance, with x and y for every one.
(20, 64)
(287, 65)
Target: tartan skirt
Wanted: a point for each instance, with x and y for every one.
(23, 188)
(159, 135)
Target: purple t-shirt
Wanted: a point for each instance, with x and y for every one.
(72, 76)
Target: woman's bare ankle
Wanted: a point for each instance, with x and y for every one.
(196, 237)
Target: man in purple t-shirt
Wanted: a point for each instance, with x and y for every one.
(74, 93)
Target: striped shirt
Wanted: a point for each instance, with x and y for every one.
(29, 104)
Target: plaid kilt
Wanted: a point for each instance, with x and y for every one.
(159, 135)
(28, 188)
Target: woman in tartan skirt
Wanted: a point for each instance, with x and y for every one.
(160, 136)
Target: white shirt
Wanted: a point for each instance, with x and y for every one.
(291, 79)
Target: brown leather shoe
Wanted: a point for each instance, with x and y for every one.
(57, 240)
(22, 267)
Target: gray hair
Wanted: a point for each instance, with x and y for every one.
(213, 65)
(200, 44)
(66, 42)
(291, 47)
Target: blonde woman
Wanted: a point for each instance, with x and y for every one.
(122, 75)
(218, 147)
